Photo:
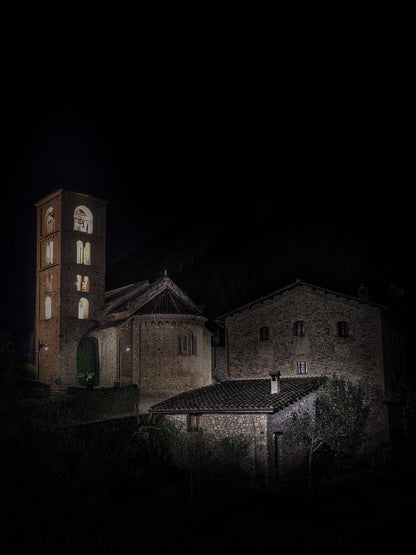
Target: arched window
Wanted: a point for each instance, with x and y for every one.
(299, 328)
(80, 252)
(83, 309)
(49, 253)
(85, 285)
(83, 219)
(48, 308)
(87, 254)
(187, 344)
(84, 253)
(50, 220)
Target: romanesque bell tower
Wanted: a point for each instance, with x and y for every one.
(70, 280)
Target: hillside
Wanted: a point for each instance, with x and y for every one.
(237, 249)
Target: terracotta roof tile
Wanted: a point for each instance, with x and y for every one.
(247, 395)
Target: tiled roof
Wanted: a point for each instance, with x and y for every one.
(167, 303)
(160, 297)
(247, 395)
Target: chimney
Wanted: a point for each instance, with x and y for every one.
(275, 382)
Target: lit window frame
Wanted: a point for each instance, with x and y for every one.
(302, 367)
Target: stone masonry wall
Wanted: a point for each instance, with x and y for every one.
(160, 368)
(357, 356)
(218, 426)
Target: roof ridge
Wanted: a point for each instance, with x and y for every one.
(296, 283)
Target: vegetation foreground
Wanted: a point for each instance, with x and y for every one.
(104, 485)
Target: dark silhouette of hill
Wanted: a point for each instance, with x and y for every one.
(241, 247)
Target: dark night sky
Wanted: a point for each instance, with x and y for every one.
(156, 141)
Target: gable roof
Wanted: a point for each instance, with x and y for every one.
(295, 284)
(240, 395)
(161, 297)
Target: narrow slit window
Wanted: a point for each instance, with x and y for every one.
(49, 253)
(299, 328)
(264, 333)
(87, 254)
(48, 308)
(80, 252)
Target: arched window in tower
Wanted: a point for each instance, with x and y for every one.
(48, 308)
(85, 285)
(83, 309)
(83, 219)
(84, 253)
(80, 252)
(78, 282)
(49, 253)
(87, 254)
(50, 220)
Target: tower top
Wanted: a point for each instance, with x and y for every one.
(59, 192)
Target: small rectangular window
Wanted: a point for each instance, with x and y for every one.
(194, 422)
(264, 333)
(342, 329)
(299, 328)
(302, 367)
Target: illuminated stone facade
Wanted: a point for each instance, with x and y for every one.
(154, 336)
(151, 335)
(306, 330)
(70, 243)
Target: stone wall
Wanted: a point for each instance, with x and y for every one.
(107, 353)
(161, 367)
(252, 427)
(356, 356)
(154, 360)
(284, 457)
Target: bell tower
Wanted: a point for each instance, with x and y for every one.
(70, 280)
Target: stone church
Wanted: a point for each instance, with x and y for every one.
(150, 335)
(270, 359)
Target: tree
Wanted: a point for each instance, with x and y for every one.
(340, 414)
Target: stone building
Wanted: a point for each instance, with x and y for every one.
(70, 280)
(254, 408)
(154, 336)
(301, 333)
(149, 335)
(305, 330)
